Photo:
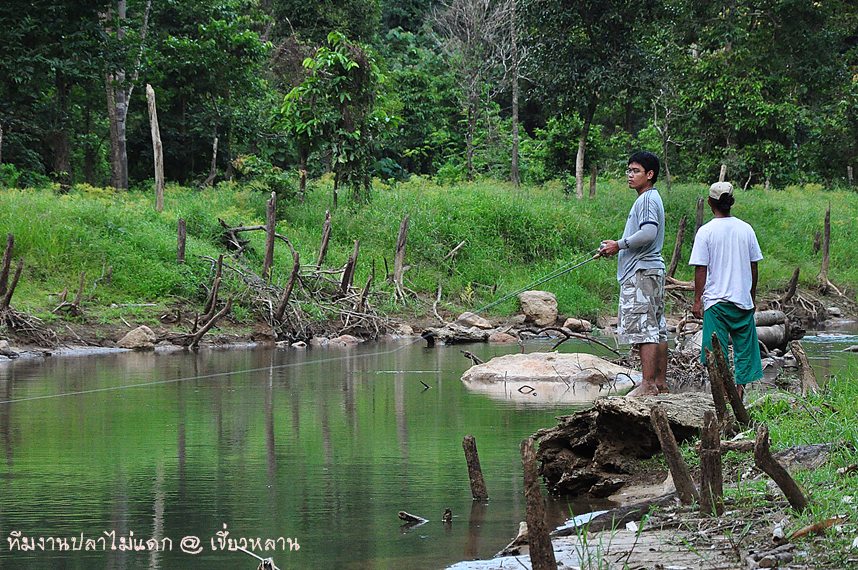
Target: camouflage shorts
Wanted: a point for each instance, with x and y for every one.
(641, 314)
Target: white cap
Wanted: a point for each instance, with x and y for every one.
(720, 188)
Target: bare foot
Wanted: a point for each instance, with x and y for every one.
(644, 390)
(663, 390)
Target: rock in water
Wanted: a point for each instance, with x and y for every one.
(549, 377)
(141, 338)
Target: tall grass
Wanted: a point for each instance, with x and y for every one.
(511, 238)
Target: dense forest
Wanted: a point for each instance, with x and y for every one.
(272, 91)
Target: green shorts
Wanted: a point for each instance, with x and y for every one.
(729, 321)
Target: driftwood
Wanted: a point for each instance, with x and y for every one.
(808, 378)
(541, 550)
(678, 469)
(475, 472)
(617, 518)
(677, 246)
(769, 465)
(711, 475)
(409, 518)
(514, 547)
(595, 451)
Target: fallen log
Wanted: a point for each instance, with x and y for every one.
(617, 518)
(595, 451)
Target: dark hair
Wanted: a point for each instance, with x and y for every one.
(648, 160)
(723, 203)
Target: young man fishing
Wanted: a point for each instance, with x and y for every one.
(640, 272)
(725, 256)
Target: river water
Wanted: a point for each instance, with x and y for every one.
(315, 449)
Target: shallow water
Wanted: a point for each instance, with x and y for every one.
(323, 447)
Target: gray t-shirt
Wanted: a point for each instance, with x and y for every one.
(647, 209)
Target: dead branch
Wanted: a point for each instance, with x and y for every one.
(195, 341)
(568, 335)
(7, 298)
(677, 247)
(791, 287)
(817, 527)
(7, 262)
(293, 277)
(326, 236)
(769, 465)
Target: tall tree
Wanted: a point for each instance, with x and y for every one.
(476, 40)
(587, 53)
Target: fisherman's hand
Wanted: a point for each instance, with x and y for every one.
(609, 248)
(697, 309)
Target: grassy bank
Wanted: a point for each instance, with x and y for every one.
(511, 237)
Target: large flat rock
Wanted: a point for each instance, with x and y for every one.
(549, 377)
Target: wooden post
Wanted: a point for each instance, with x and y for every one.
(7, 263)
(716, 384)
(270, 230)
(711, 475)
(157, 149)
(475, 473)
(826, 246)
(541, 549)
(293, 277)
(742, 415)
(677, 246)
(399, 257)
(723, 175)
(768, 464)
(808, 378)
(849, 176)
(593, 173)
(181, 236)
(326, 236)
(349, 271)
(791, 287)
(678, 469)
(7, 298)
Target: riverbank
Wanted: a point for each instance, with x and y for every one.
(815, 437)
(467, 245)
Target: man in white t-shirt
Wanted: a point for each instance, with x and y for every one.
(725, 256)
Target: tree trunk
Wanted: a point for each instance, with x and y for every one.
(213, 170)
(302, 173)
(722, 176)
(582, 144)
(157, 149)
(6, 264)
(698, 220)
(593, 172)
(116, 164)
(1, 143)
(399, 257)
(59, 138)
(515, 175)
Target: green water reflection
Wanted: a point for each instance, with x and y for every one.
(323, 447)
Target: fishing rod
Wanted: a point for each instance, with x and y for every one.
(591, 256)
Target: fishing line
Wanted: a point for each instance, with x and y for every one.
(212, 375)
(562, 270)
